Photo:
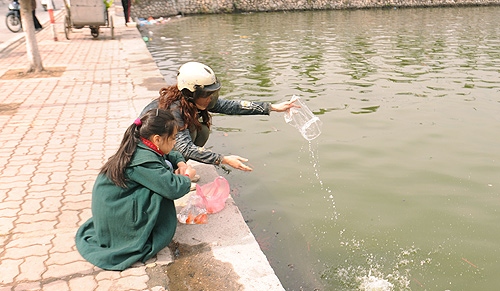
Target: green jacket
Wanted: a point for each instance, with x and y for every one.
(134, 223)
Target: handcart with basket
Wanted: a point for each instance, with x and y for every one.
(87, 13)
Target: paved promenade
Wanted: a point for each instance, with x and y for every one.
(56, 132)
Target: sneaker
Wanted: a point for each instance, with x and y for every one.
(196, 178)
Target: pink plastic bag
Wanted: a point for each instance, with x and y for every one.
(214, 194)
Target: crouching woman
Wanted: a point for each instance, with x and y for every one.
(133, 212)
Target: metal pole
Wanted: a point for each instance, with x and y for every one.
(52, 22)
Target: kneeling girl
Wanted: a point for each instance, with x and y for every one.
(133, 212)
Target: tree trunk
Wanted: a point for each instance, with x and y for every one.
(34, 57)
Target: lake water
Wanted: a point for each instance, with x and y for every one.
(401, 191)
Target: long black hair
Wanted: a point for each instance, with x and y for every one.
(154, 122)
(189, 111)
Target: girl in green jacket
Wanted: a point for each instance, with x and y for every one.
(133, 212)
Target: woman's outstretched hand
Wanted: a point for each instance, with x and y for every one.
(283, 106)
(236, 162)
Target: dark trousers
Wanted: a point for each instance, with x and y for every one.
(35, 20)
(126, 10)
(199, 137)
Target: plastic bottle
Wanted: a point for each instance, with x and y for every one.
(303, 119)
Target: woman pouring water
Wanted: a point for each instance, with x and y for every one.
(192, 99)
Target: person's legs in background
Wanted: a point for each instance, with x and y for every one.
(38, 26)
(126, 10)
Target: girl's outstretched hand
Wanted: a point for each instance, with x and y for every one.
(181, 168)
(236, 162)
(190, 172)
(283, 106)
(186, 170)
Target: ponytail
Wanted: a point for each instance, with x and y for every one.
(154, 122)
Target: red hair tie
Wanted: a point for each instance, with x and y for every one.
(138, 122)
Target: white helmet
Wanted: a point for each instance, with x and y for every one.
(196, 76)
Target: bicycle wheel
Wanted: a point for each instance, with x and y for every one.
(13, 23)
(94, 31)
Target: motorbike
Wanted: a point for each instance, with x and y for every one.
(13, 18)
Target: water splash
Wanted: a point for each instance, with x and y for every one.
(364, 270)
(374, 283)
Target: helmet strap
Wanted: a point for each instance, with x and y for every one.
(188, 95)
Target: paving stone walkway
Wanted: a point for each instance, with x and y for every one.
(56, 132)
